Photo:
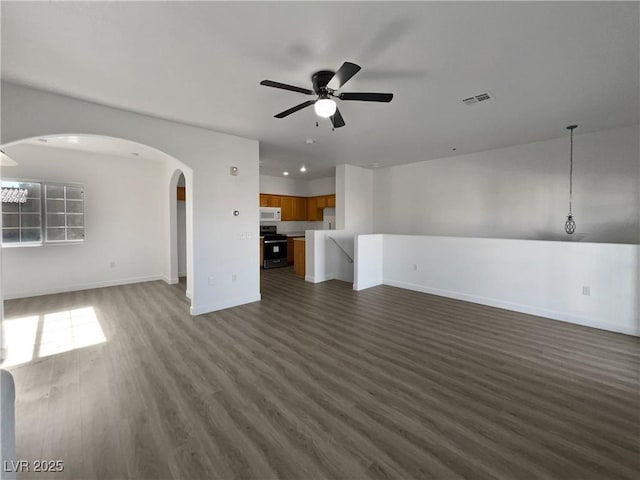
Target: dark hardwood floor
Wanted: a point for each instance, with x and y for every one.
(319, 381)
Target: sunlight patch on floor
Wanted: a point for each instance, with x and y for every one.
(33, 337)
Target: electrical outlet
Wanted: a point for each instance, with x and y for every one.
(586, 290)
(234, 277)
(212, 280)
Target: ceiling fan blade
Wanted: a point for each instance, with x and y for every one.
(284, 86)
(337, 120)
(367, 97)
(342, 76)
(295, 109)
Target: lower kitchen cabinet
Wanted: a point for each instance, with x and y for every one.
(299, 246)
(290, 250)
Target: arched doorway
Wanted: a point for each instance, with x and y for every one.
(178, 230)
(128, 223)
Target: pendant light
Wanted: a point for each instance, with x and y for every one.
(570, 224)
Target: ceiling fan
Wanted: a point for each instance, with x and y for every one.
(325, 86)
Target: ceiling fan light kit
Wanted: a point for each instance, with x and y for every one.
(325, 85)
(325, 107)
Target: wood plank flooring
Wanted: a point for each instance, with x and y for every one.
(321, 382)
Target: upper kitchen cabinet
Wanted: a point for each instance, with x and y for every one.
(314, 214)
(267, 200)
(293, 208)
(299, 208)
(331, 201)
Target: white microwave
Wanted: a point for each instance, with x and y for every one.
(270, 214)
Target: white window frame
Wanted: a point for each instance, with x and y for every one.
(65, 213)
(44, 215)
(19, 214)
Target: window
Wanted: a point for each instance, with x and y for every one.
(65, 212)
(21, 213)
(34, 212)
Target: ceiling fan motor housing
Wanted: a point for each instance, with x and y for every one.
(320, 80)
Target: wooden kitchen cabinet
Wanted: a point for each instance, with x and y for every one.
(290, 250)
(274, 201)
(293, 208)
(313, 213)
(267, 200)
(299, 256)
(331, 201)
(181, 194)
(299, 208)
(287, 203)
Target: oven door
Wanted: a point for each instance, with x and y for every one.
(275, 253)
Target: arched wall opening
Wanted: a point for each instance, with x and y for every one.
(128, 219)
(222, 265)
(178, 206)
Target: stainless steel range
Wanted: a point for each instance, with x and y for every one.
(274, 247)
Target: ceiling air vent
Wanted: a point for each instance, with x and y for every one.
(476, 98)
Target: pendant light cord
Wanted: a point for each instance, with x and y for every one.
(571, 174)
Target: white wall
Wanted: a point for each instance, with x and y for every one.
(519, 192)
(321, 186)
(123, 219)
(368, 265)
(325, 259)
(224, 246)
(296, 187)
(354, 199)
(543, 278)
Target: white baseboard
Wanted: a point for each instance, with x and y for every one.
(516, 307)
(82, 286)
(311, 279)
(234, 302)
(360, 286)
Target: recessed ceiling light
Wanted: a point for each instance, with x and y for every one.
(303, 168)
(135, 154)
(309, 141)
(285, 173)
(43, 140)
(454, 149)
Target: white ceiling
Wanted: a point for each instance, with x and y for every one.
(548, 65)
(96, 143)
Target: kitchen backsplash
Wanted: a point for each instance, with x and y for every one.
(287, 227)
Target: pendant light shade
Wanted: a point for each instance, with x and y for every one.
(570, 224)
